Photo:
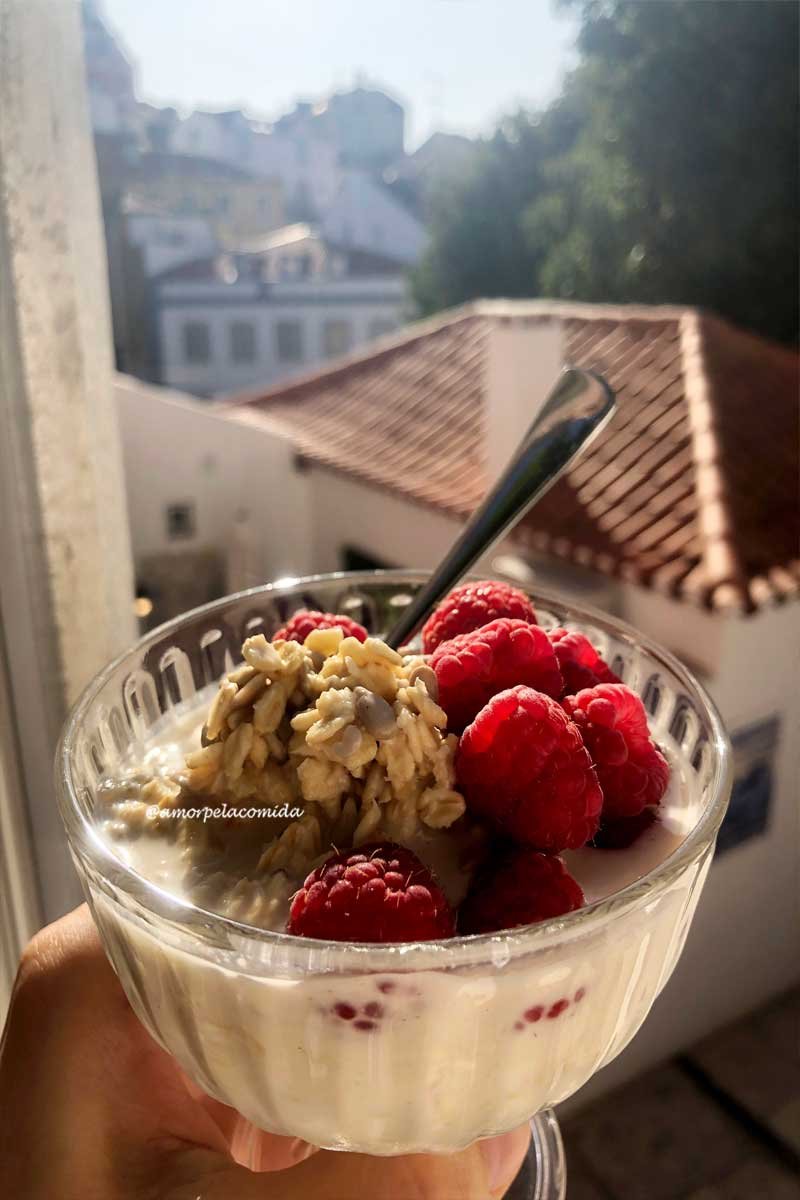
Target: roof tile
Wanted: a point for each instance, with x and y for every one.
(691, 488)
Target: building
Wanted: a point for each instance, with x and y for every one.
(237, 320)
(681, 517)
(367, 125)
(304, 161)
(141, 243)
(109, 75)
(366, 216)
(417, 179)
(237, 204)
(165, 240)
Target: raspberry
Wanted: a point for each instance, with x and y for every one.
(472, 605)
(475, 666)
(305, 621)
(520, 887)
(523, 767)
(581, 665)
(633, 772)
(380, 893)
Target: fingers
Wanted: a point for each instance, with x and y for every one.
(71, 942)
(483, 1171)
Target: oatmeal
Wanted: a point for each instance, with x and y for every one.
(330, 743)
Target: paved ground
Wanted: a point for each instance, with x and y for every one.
(720, 1123)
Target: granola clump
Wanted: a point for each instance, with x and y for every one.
(347, 733)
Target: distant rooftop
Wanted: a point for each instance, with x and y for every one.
(691, 489)
(247, 263)
(153, 165)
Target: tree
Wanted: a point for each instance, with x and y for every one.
(680, 184)
(478, 241)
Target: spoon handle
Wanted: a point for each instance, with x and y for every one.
(579, 404)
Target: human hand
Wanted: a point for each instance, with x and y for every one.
(93, 1109)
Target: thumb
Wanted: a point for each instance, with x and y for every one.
(482, 1171)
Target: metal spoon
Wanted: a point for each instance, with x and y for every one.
(577, 407)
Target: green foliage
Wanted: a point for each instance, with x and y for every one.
(666, 173)
(479, 245)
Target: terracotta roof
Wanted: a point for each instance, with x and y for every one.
(692, 488)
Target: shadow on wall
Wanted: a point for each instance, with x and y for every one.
(172, 582)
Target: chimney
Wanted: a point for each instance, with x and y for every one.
(525, 355)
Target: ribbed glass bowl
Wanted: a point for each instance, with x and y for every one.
(251, 1015)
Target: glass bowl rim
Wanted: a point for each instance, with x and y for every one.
(87, 844)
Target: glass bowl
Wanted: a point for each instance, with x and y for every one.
(251, 1015)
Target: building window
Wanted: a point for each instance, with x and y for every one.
(196, 342)
(180, 521)
(289, 341)
(379, 327)
(337, 337)
(243, 341)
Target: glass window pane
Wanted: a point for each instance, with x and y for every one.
(337, 337)
(243, 341)
(196, 342)
(289, 341)
(379, 327)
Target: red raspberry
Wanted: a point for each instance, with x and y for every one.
(519, 888)
(305, 621)
(380, 893)
(523, 767)
(472, 605)
(633, 772)
(475, 666)
(581, 665)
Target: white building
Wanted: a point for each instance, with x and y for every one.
(364, 215)
(681, 518)
(238, 320)
(109, 75)
(165, 241)
(306, 163)
(367, 125)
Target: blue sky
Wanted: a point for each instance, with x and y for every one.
(455, 64)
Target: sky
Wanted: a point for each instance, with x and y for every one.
(456, 65)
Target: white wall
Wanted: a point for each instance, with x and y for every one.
(347, 513)
(360, 306)
(524, 358)
(167, 241)
(310, 163)
(364, 215)
(692, 633)
(176, 450)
